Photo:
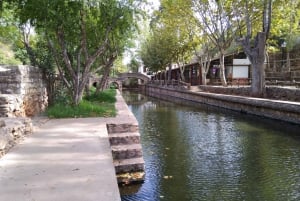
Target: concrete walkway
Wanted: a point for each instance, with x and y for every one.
(68, 159)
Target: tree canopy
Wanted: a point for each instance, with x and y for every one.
(171, 39)
(83, 36)
(87, 36)
(221, 25)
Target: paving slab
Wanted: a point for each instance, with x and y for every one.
(66, 159)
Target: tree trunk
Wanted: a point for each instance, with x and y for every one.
(203, 78)
(288, 60)
(204, 67)
(103, 80)
(170, 73)
(181, 69)
(222, 69)
(257, 58)
(166, 77)
(77, 95)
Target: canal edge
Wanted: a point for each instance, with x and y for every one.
(286, 111)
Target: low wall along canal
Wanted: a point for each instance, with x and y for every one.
(274, 109)
(207, 153)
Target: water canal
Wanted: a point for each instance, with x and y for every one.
(205, 153)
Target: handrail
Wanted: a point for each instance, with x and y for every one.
(173, 83)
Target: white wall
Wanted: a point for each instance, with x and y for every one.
(240, 72)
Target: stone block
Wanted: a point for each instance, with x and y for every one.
(13, 131)
(27, 83)
(5, 137)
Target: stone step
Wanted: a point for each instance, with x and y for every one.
(129, 165)
(124, 138)
(126, 151)
(121, 128)
(127, 179)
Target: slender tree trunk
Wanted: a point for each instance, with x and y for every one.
(222, 69)
(181, 69)
(203, 75)
(103, 80)
(166, 77)
(288, 60)
(204, 67)
(170, 73)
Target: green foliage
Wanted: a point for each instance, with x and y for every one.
(61, 96)
(134, 65)
(108, 95)
(9, 36)
(285, 24)
(84, 109)
(7, 56)
(9, 31)
(119, 67)
(85, 36)
(173, 37)
(96, 105)
(156, 51)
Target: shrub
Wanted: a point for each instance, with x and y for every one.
(95, 105)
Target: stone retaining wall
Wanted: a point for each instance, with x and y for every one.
(22, 94)
(12, 131)
(274, 109)
(272, 92)
(22, 91)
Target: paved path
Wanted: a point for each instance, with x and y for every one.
(63, 160)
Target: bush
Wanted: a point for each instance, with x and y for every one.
(95, 105)
(108, 95)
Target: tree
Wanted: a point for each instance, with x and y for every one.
(173, 39)
(215, 19)
(205, 56)
(156, 51)
(83, 35)
(285, 26)
(255, 49)
(134, 65)
(9, 36)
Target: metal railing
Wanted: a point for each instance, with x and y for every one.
(171, 83)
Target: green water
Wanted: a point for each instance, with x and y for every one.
(206, 153)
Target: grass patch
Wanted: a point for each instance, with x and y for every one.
(108, 96)
(95, 105)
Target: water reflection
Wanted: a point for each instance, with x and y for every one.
(203, 153)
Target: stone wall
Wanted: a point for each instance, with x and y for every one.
(272, 92)
(274, 109)
(22, 91)
(12, 131)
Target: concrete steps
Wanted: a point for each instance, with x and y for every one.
(122, 128)
(127, 153)
(129, 165)
(124, 138)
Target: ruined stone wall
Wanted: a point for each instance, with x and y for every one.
(22, 91)
(12, 131)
